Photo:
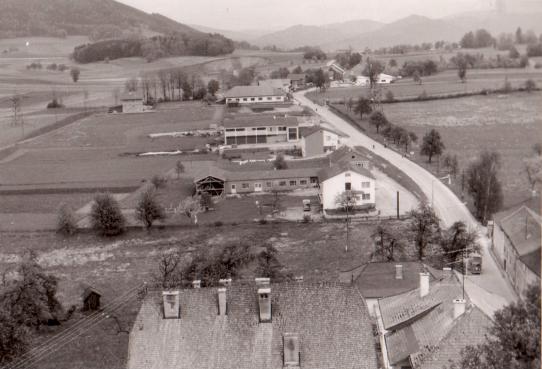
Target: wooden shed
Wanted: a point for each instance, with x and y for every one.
(91, 299)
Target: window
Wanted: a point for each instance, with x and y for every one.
(252, 99)
(347, 174)
(230, 129)
(240, 129)
(244, 99)
(347, 186)
(293, 183)
(269, 184)
(271, 129)
(245, 185)
(303, 182)
(282, 129)
(261, 128)
(233, 187)
(292, 134)
(260, 98)
(282, 183)
(366, 196)
(254, 128)
(269, 98)
(328, 138)
(365, 184)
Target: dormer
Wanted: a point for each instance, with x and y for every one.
(290, 343)
(171, 304)
(264, 304)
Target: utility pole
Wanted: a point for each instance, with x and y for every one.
(397, 204)
(347, 226)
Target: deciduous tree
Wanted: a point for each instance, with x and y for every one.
(388, 241)
(213, 86)
(66, 222)
(106, 216)
(148, 209)
(363, 106)
(378, 119)
(432, 144)
(456, 240)
(423, 228)
(75, 73)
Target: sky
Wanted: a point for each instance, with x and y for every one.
(274, 14)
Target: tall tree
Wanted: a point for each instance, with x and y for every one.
(372, 69)
(432, 144)
(280, 162)
(388, 241)
(148, 209)
(106, 216)
(423, 228)
(363, 106)
(484, 186)
(456, 240)
(378, 119)
(513, 341)
(75, 73)
(213, 86)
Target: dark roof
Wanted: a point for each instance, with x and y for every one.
(378, 279)
(468, 329)
(523, 229)
(296, 76)
(260, 120)
(88, 291)
(132, 95)
(345, 153)
(332, 323)
(337, 169)
(416, 323)
(272, 174)
(250, 91)
(307, 131)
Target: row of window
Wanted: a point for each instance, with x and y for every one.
(271, 129)
(268, 98)
(348, 185)
(302, 182)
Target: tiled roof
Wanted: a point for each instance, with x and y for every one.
(132, 95)
(334, 170)
(296, 76)
(523, 229)
(272, 174)
(307, 131)
(416, 324)
(332, 323)
(345, 153)
(251, 91)
(469, 329)
(377, 280)
(260, 120)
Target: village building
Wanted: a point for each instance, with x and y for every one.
(297, 80)
(261, 129)
(246, 326)
(132, 102)
(276, 83)
(263, 94)
(319, 140)
(516, 241)
(418, 326)
(357, 180)
(91, 299)
(337, 71)
(385, 78)
(378, 280)
(346, 154)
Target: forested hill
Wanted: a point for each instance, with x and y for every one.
(98, 19)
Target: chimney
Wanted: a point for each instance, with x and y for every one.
(290, 343)
(222, 301)
(172, 309)
(196, 283)
(459, 307)
(264, 303)
(398, 271)
(262, 281)
(424, 284)
(225, 282)
(298, 278)
(447, 272)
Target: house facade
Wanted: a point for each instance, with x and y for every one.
(319, 140)
(297, 80)
(270, 180)
(340, 178)
(516, 241)
(385, 78)
(261, 129)
(132, 102)
(263, 94)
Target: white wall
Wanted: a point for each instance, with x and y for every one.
(333, 186)
(257, 100)
(331, 139)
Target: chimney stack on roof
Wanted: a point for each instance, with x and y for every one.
(172, 308)
(264, 303)
(196, 283)
(398, 271)
(290, 343)
(447, 272)
(262, 281)
(225, 282)
(459, 307)
(424, 284)
(222, 301)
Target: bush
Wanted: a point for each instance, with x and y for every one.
(306, 218)
(423, 96)
(106, 216)
(54, 104)
(218, 223)
(262, 221)
(158, 181)
(530, 85)
(66, 222)
(389, 96)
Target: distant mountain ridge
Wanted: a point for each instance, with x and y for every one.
(20, 18)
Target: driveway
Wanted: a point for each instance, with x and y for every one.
(448, 207)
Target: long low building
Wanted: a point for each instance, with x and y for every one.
(241, 95)
(261, 129)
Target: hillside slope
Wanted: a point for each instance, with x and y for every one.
(78, 17)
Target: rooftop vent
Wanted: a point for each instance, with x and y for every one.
(459, 307)
(424, 284)
(222, 301)
(225, 282)
(262, 281)
(398, 271)
(264, 303)
(447, 272)
(172, 308)
(196, 283)
(290, 342)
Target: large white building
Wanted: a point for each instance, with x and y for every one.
(318, 140)
(263, 94)
(347, 177)
(261, 129)
(132, 102)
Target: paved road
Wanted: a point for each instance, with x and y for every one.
(490, 290)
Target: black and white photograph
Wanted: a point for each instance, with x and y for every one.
(288, 184)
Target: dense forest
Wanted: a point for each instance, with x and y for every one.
(155, 47)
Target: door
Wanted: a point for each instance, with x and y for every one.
(233, 189)
(257, 187)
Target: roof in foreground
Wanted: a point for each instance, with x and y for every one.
(378, 279)
(250, 91)
(131, 95)
(260, 120)
(306, 131)
(339, 168)
(332, 323)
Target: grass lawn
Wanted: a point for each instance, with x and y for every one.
(509, 124)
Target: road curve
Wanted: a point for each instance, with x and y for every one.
(490, 290)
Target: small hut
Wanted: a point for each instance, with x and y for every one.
(91, 299)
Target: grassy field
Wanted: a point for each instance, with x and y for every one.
(443, 83)
(315, 251)
(509, 124)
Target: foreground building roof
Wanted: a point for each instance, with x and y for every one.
(253, 91)
(260, 120)
(331, 321)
